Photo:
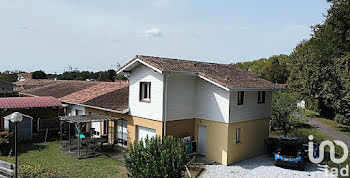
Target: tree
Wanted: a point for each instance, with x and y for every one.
(284, 115)
(157, 157)
(320, 65)
(273, 68)
(39, 75)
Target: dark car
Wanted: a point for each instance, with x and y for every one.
(289, 153)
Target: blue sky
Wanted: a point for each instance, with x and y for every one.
(95, 35)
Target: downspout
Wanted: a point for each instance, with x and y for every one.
(166, 102)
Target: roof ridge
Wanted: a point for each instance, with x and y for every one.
(177, 59)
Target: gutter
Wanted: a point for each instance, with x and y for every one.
(165, 101)
(99, 108)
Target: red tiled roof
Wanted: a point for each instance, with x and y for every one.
(226, 75)
(28, 102)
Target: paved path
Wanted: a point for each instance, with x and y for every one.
(330, 132)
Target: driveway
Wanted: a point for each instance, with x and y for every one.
(330, 132)
(262, 166)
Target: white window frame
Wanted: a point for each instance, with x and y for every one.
(145, 96)
(238, 135)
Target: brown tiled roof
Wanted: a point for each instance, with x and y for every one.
(99, 94)
(226, 75)
(100, 88)
(116, 100)
(60, 88)
(33, 83)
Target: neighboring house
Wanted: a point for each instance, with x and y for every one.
(32, 83)
(24, 77)
(42, 111)
(4, 86)
(226, 109)
(84, 97)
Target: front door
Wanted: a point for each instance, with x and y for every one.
(202, 140)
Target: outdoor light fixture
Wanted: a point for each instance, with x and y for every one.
(16, 118)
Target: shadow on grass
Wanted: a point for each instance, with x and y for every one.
(26, 147)
(343, 129)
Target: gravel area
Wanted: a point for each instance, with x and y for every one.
(262, 166)
(330, 132)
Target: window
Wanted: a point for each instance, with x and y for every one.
(121, 136)
(261, 96)
(240, 97)
(145, 91)
(238, 135)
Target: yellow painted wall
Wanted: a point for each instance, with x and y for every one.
(180, 128)
(217, 133)
(252, 138)
(133, 122)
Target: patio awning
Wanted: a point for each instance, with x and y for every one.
(87, 118)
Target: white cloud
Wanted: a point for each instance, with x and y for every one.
(154, 32)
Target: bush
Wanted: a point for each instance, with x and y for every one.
(6, 143)
(27, 171)
(157, 158)
(312, 104)
(342, 119)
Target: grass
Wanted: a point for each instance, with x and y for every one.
(335, 125)
(51, 157)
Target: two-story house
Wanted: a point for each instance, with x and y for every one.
(226, 109)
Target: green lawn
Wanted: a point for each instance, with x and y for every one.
(51, 157)
(335, 125)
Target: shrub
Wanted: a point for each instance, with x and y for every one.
(312, 104)
(342, 119)
(6, 143)
(157, 158)
(28, 171)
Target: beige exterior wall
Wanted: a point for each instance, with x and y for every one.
(221, 144)
(217, 134)
(221, 139)
(133, 122)
(180, 128)
(252, 135)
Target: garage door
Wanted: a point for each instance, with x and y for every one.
(144, 131)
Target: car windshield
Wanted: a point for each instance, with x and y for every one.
(289, 148)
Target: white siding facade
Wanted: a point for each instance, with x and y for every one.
(189, 97)
(154, 109)
(250, 109)
(181, 97)
(192, 97)
(212, 102)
